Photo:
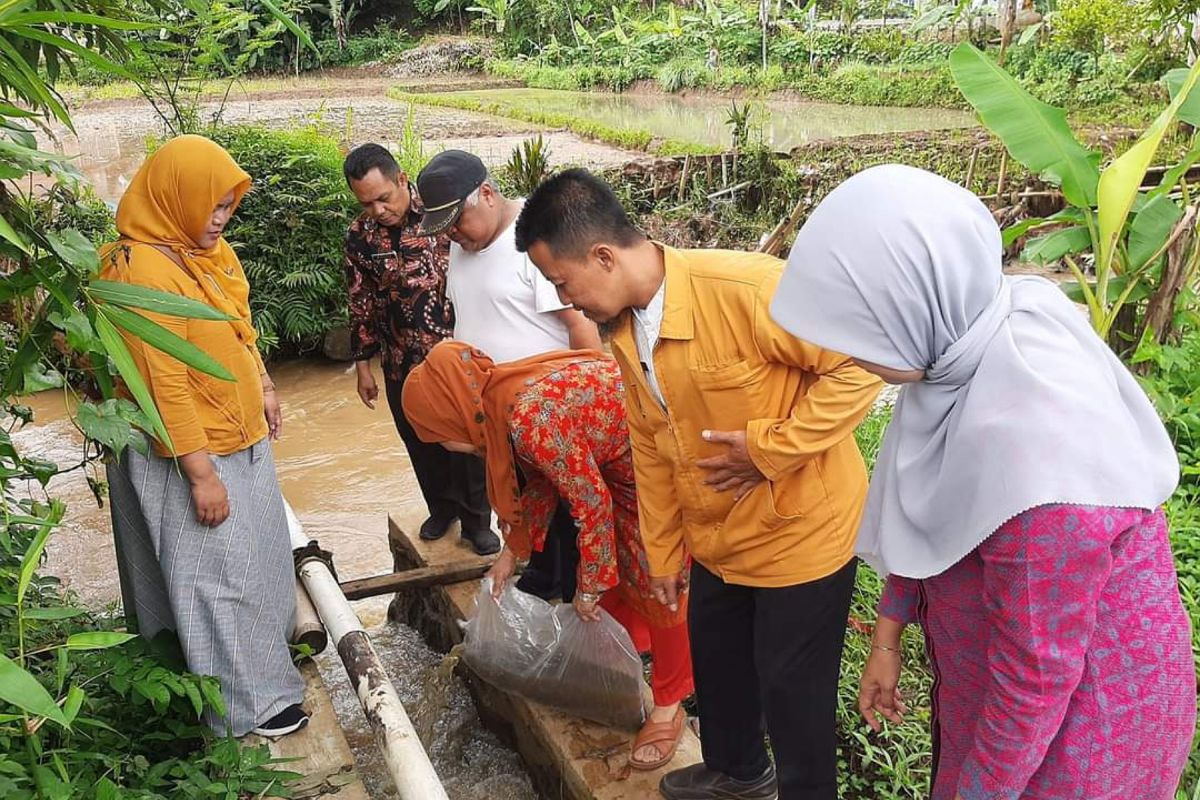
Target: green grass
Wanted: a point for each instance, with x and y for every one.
(625, 138)
(896, 763)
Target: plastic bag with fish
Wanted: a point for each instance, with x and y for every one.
(544, 652)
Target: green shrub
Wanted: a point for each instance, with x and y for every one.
(877, 46)
(616, 78)
(797, 49)
(289, 231)
(682, 72)
(63, 207)
(381, 44)
(1173, 384)
(134, 709)
(1086, 25)
(924, 52)
(1078, 80)
(871, 85)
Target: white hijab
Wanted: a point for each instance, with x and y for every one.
(1022, 405)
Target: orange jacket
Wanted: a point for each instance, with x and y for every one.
(723, 364)
(199, 411)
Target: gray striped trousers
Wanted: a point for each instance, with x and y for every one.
(227, 592)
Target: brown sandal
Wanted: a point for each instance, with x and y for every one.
(654, 734)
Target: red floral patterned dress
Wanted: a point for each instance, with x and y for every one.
(570, 438)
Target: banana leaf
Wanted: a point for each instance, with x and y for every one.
(1120, 181)
(1150, 229)
(1053, 246)
(1189, 112)
(1036, 134)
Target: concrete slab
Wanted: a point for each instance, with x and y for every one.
(568, 758)
(320, 751)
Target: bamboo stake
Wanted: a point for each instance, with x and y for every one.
(1003, 173)
(683, 175)
(774, 240)
(971, 169)
(1025, 194)
(729, 190)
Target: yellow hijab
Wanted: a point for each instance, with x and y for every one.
(169, 204)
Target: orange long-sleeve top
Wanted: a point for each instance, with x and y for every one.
(200, 412)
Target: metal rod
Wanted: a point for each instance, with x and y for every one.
(405, 757)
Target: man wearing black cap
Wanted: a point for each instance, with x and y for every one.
(399, 311)
(506, 308)
(503, 306)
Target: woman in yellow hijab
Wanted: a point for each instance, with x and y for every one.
(201, 534)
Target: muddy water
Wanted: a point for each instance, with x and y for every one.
(785, 123)
(344, 470)
(472, 763)
(341, 466)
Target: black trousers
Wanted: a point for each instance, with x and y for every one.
(551, 571)
(454, 485)
(767, 661)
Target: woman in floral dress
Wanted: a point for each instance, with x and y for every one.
(551, 426)
(1015, 505)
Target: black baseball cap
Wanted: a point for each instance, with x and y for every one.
(447, 180)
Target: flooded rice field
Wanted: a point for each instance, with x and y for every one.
(784, 123)
(110, 136)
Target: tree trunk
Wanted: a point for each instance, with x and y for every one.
(338, 13)
(1181, 262)
(1006, 20)
(764, 19)
(1194, 50)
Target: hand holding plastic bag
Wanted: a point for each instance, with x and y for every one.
(524, 645)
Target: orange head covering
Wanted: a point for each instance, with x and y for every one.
(169, 204)
(459, 395)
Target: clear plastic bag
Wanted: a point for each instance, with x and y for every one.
(523, 644)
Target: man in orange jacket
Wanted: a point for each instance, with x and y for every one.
(745, 459)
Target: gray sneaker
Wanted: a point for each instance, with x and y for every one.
(698, 782)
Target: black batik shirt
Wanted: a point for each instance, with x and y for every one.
(397, 282)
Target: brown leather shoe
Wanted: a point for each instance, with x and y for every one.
(698, 782)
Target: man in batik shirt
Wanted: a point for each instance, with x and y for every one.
(399, 310)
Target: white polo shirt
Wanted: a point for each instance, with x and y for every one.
(502, 304)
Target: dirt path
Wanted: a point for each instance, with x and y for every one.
(110, 135)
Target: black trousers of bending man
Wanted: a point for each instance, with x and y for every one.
(454, 485)
(766, 661)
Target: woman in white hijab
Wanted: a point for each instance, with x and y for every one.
(1015, 506)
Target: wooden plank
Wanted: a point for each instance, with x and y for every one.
(568, 758)
(320, 751)
(420, 578)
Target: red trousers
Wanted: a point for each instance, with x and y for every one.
(670, 651)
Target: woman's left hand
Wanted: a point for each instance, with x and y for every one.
(587, 608)
(272, 412)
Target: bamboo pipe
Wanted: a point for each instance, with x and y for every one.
(405, 757)
(309, 629)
